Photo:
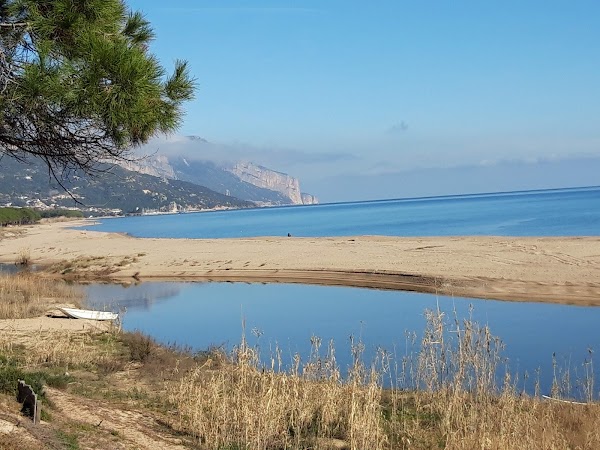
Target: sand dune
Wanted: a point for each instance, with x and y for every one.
(547, 269)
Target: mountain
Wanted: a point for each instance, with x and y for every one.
(114, 191)
(264, 178)
(206, 173)
(219, 179)
(244, 180)
(156, 183)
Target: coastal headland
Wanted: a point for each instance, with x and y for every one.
(543, 269)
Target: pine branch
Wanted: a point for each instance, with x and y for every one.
(13, 25)
(80, 89)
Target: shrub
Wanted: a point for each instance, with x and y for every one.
(140, 346)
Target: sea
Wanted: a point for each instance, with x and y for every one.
(540, 341)
(554, 212)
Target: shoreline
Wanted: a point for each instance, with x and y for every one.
(544, 269)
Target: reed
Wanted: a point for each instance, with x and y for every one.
(25, 295)
(244, 405)
(24, 257)
(452, 389)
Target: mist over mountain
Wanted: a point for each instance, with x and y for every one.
(196, 160)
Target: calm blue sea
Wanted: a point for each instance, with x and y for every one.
(564, 212)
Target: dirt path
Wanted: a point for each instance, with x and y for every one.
(93, 424)
(93, 410)
(111, 427)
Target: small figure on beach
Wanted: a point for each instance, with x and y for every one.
(289, 234)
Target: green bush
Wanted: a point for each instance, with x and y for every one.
(11, 373)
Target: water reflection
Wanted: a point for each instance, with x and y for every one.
(11, 269)
(129, 296)
(199, 315)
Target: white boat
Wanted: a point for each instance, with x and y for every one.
(89, 314)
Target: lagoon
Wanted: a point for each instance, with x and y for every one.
(200, 315)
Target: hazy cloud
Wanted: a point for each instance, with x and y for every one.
(397, 128)
(534, 159)
(502, 176)
(196, 148)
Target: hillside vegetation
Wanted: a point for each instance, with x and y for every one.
(115, 190)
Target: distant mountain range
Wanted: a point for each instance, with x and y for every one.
(116, 191)
(153, 184)
(244, 180)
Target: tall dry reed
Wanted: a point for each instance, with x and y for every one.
(246, 405)
(453, 391)
(28, 295)
(464, 396)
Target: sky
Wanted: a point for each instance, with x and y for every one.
(387, 99)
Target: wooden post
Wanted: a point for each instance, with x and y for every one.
(31, 406)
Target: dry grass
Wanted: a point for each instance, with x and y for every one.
(24, 257)
(26, 295)
(61, 348)
(93, 267)
(11, 232)
(449, 393)
(244, 406)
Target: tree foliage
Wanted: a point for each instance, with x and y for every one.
(53, 213)
(18, 216)
(78, 85)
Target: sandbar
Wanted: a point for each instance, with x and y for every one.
(543, 269)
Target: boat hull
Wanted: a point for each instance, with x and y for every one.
(89, 314)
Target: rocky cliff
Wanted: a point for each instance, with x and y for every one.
(155, 165)
(269, 179)
(309, 199)
(243, 180)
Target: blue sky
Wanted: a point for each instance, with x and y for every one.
(353, 92)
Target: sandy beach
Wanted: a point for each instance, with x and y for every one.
(548, 269)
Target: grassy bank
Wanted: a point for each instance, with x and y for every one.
(26, 295)
(111, 389)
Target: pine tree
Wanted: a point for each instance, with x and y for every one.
(78, 85)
